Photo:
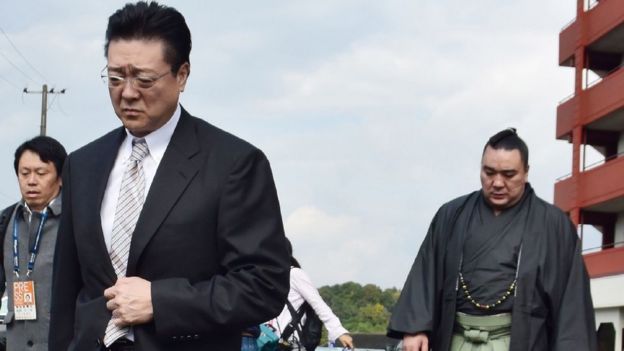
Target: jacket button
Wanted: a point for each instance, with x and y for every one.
(30, 343)
(196, 337)
(174, 338)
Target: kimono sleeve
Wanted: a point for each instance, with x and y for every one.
(575, 326)
(415, 311)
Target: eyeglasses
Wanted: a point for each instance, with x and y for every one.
(140, 81)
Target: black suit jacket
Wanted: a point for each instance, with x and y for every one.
(209, 238)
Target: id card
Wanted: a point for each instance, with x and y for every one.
(24, 300)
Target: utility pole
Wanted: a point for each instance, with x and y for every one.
(44, 104)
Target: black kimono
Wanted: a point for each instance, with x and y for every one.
(552, 308)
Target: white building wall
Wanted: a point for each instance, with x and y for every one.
(607, 291)
(609, 303)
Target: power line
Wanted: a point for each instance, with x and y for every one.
(22, 56)
(60, 107)
(9, 82)
(51, 104)
(17, 68)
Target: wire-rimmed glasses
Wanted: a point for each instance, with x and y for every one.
(139, 81)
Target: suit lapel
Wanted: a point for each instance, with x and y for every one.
(100, 172)
(175, 172)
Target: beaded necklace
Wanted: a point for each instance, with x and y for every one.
(484, 306)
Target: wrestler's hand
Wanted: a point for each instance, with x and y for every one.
(130, 300)
(416, 342)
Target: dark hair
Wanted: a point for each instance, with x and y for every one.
(152, 21)
(48, 149)
(508, 139)
(293, 260)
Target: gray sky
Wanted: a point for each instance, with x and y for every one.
(372, 113)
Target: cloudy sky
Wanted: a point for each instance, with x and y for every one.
(372, 113)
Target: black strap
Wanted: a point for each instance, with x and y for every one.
(294, 322)
(5, 218)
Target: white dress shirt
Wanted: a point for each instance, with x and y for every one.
(302, 290)
(157, 142)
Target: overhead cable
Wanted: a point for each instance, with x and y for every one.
(22, 56)
(9, 82)
(17, 68)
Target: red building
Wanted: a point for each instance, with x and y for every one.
(593, 120)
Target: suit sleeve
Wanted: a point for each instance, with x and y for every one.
(66, 279)
(574, 325)
(254, 261)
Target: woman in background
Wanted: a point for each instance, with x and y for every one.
(302, 290)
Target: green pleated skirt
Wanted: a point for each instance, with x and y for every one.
(481, 333)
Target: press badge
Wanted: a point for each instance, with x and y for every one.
(24, 300)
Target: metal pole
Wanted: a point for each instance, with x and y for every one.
(44, 108)
(44, 104)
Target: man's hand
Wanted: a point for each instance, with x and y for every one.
(130, 300)
(417, 342)
(347, 341)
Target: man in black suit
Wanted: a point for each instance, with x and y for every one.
(171, 236)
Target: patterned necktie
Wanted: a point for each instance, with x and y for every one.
(129, 205)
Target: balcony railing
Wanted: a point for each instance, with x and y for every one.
(592, 165)
(601, 162)
(568, 24)
(587, 83)
(590, 4)
(605, 263)
(565, 99)
(603, 247)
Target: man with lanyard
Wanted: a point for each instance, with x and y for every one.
(500, 269)
(29, 229)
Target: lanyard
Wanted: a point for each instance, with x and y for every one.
(33, 251)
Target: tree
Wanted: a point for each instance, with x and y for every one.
(362, 309)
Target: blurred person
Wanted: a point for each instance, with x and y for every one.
(29, 229)
(171, 237)
(499, 269)
(303, 291)
(249, 338)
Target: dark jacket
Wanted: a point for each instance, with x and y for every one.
(209, 238)
(552, 309)
(32, 335)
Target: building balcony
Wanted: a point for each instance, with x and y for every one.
(597, 189)
(601, 26)
(605, 263)
(600, 106)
